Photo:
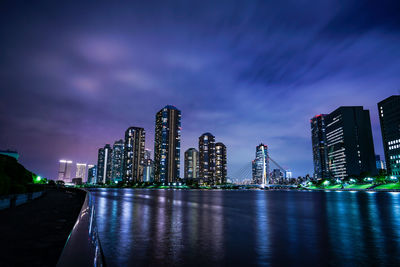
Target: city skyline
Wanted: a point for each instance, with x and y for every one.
(324, 144)
(182, 170)
(75, 87)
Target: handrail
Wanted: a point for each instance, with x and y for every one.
(13, 200)
(83, 244)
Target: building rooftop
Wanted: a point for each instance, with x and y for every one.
(10, 153)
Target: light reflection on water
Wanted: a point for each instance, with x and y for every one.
(262, 228)
(247, 228)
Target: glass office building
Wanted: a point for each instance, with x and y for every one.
(389, 116)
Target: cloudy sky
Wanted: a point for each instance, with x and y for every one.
(74, 75)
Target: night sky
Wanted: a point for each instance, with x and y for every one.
(74, 76)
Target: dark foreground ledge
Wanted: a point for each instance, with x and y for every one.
(35, 233)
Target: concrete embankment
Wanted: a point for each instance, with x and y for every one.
(35, 233)
(354, 189)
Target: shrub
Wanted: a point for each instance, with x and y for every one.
(14, 178)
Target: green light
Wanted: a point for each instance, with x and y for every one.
(38, 178)
(326, 182)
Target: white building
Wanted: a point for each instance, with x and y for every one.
(81, 171)
(64, 171)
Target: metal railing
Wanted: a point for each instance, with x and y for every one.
(83, 244)
(14, 200)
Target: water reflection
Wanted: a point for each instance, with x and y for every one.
(247, 228)
(376, 229)
(395, 219)
(262, 227)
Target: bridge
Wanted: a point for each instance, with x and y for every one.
(246, 172)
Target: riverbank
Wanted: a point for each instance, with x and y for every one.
(392, 187)
(152, 186)
(35, 233)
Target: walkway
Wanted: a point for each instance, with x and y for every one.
(35, 233)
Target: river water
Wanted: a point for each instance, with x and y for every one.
(248, 228)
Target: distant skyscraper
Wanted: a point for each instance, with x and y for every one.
(380, 164)
(254, 171)
(81, 171)
(207, 157)
(91, 174)
(319, 146)
(117, 161)
(191, 164)
(261, 165)
(64, 171)
(389, 116)
(220, 163)
(167, 144)
(104, 164)
(350, 145)
(148, 171)
(134, 154)
(276, 174)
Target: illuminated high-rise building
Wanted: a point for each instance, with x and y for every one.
(349, 142)
(254, 171)
(148, 170)
(207, 157)
(167, 145)
(117, 161)
(220, 163)
(191, 164)
(134, 154)
(319, 146)
(104, 164)
(389, 116)
(64, 170)
(261, 165)
(91, 174)
(81, 171)
(380, 164)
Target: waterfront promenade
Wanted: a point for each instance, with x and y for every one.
(35, 233)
